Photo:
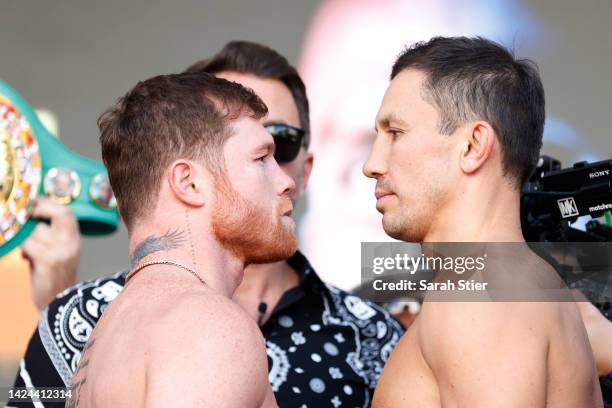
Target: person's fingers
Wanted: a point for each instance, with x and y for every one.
(52, 251)
(43, 234)
(60, 216)
(34, 250)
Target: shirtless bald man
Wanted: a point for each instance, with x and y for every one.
(458, 132)
(202, 197)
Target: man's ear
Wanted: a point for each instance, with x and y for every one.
(307, 170)
(480, 138)
(188, 182)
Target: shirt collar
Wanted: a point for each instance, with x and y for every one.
(309, 284)
(308, 278)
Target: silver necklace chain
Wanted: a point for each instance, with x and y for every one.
(138, 268)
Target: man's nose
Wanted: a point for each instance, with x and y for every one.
(376, 164)
(285, 183)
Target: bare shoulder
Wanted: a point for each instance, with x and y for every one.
(522, 351)
(471, 345)
(479, 332)
(211, 320)
(475, 317)
(488, 327)
(210, 351)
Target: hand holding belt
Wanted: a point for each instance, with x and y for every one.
(33, 162)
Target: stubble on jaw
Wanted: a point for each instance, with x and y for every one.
(412, 223)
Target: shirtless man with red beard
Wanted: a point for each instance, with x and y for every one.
(202, 197)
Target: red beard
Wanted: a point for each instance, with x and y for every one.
(250, 231)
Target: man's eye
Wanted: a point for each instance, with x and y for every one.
(261, 159)
(394, 133)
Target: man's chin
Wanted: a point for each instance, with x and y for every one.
(405, 235)
(287, 252)
(280, 251)
(288, 245)
(394, 230)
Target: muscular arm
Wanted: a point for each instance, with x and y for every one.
(213, 356)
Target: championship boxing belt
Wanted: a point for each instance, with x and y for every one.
(32, 163)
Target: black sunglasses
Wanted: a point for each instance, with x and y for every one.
(287, 141)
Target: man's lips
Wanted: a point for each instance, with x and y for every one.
(381, 197)
(285, 207)
(380, 193)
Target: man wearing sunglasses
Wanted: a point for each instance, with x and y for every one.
(325, 347)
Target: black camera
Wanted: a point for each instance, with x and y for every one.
(553, 198)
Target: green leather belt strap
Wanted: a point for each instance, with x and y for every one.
(32, 163)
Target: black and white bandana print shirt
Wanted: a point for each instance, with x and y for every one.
(326, 347)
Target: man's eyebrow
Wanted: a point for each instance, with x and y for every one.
(274, 122)
(392, 117)
(388, 119)
(267, 147)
